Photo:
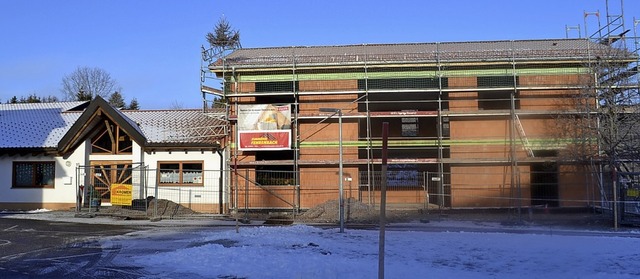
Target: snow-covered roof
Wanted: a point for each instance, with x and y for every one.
(44, 125)
(36, 125)
(175, 126)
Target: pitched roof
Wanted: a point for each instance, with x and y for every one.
(36, 125)
(153, 128)
(165, 127)
(49, 127)
(550, 49)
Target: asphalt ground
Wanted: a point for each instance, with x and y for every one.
(60, 244)
(24, 241)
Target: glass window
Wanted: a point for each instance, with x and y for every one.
(34, 174)
(111, 139)
(180, 173)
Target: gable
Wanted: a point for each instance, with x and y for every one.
(90, 122)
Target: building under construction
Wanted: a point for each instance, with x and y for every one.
(472, 124)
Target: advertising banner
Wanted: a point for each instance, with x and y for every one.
(264, 127)
(121, 194)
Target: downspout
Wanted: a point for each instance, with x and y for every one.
(143, 172)
(220, 181)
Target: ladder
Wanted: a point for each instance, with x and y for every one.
(523, 137)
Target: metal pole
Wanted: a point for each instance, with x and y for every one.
(614, 177)
(383, 200)
(340, 168)
(341, 202)
(246, 195)
(220, 182)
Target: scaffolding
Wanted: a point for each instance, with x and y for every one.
(438, 98)
(619, 88)
(417, 96)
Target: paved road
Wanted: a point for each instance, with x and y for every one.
(33, 248)
(60, 246)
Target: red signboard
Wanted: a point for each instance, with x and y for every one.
(265, 140)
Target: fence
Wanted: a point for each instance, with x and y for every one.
(154, 193)
(96, 183)
(629, 197)
(185, 192)
(213, 191)
(459, 188)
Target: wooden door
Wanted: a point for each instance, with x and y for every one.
(106, 173)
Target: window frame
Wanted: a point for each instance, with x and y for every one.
(34, 174)
(180, 172)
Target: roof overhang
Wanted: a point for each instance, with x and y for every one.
(31, 151)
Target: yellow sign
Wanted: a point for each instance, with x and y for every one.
(121, 194)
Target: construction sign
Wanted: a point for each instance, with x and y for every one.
(121, 194)
(264, 127)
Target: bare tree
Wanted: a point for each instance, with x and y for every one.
(86, 83)
(176, 105)
(605, 123)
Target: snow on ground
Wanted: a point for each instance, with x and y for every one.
(308, 252)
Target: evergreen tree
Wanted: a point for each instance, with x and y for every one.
(224, 36)
(116, 100)
(133, 105)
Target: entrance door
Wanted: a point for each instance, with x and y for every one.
(544, 184)
(106, 173)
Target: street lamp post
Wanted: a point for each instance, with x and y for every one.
(340, 169)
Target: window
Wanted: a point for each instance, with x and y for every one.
(180, 173)
(395, 94)
(34, 174)
(276, 86)
(402, 83)
(497, 99)
(497, 81)
(111, 139)
(275, 174)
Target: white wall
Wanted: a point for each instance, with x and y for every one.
(63, 191)
(68, 177)
(186, 195)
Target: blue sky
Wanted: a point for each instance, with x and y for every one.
(152, 48)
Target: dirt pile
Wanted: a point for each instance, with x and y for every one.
(141, 208)
(354, 212)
